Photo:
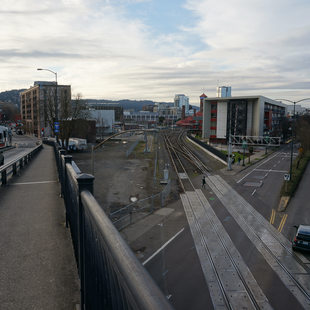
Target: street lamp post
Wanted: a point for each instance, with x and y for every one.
(229, 168)
(56, 101)
(294, 102)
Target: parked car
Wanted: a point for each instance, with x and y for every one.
(302, 238)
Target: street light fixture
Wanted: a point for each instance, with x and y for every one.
(294, 102)
(56, 101)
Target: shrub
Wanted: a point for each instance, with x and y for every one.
(298, 169)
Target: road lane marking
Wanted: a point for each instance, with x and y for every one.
(258, 166)
(271, 170)
(31, 183)
(162, 247)
(254, 192)
(282, 222)
(272, 217)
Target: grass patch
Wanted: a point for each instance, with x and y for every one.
(139, 153)
(298, 169)
(237, 155)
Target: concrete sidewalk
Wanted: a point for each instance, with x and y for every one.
(37, 264)
(258, 155)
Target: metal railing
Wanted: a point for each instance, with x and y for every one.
(256, 140)
(14, 166)
(110, 274)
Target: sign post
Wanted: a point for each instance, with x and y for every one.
(287, 177)
(244, 146)
(267, 143)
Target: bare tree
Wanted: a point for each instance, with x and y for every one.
(71, 111)
(49, 112)
(8, 111)
(303, 130)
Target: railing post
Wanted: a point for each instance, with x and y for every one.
(67, 160)
(3, 177)
(61, 170)
(14, 169)
(85, 182)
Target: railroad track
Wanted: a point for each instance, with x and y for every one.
(187, 185)
(179, 151)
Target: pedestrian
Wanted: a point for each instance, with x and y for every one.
(1, 158)
(203, 185)
(233, 158)
(239, 160)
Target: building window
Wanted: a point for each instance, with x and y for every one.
(213, 106)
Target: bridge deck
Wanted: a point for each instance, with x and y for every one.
(37, 265)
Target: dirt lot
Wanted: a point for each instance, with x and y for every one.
(120, 180)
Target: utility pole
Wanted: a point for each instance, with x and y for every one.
(56, 122)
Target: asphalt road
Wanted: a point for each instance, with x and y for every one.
(21, 145)
(177, 270)
(261, 185)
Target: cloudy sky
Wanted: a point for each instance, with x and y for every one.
(154, 49)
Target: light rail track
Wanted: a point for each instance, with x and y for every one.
(177, 143)
(185, 182)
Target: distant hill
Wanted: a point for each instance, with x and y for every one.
(11, 96)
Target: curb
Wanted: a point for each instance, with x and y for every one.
(284, 200)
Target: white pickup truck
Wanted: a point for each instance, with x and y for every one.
(77, 144)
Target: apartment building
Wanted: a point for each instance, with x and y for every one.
(241, 116)
(37, 104)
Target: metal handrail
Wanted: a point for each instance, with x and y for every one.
(111, 277)
(18, 162)
(144, 291)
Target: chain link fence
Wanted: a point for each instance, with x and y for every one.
(140, 208)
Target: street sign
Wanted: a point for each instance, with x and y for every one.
(56, 126)
(287, 177)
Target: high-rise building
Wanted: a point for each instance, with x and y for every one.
(223, 91)
(181, 100)
(37, 105)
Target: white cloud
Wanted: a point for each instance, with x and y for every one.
(257, 47)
